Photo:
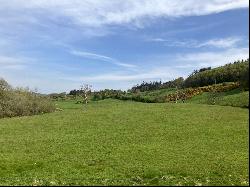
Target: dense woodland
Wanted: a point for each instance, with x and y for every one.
(145, 86)
(233, 72)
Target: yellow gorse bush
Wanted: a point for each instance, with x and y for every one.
(191, 92)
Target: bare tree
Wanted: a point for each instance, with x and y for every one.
(85, 91)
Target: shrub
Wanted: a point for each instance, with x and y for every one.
(22, 102)
(244, 79)
(191, 92)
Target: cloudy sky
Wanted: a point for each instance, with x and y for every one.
(57, 45)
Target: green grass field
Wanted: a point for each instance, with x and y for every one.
(114, 142)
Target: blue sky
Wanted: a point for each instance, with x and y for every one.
(57, 45)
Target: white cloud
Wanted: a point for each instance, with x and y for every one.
(221, 43)
(228, 42)
(189, 62)
(7, 62)
(95, 13)
(68, 20)
(156, 40)
(101, 58)
(163, 73)
(213, 59)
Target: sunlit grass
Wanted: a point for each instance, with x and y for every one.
(126, 143)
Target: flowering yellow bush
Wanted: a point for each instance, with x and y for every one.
(191, 92)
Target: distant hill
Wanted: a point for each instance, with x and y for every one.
(225, 85)
(237, 71)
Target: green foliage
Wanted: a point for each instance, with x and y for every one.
(173, 94)
(106, 94)
(22, 102)
(228, 73)
(127, 143)
(145, 86)
(4, 86)
(198, 82)
(244, 79)
(232, 72)
(58, 96)
(188, 93)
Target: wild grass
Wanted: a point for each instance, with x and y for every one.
(114, 142)
(236, 98)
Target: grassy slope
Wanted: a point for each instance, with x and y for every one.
(158, 93)
(115, 142)
(153, 94)
(235, 98)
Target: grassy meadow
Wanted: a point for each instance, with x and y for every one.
(124, 93)
(113, 142)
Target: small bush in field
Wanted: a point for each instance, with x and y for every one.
(22, 102)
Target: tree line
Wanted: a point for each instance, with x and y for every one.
(237, 71)
(149, 86)
(232, 72)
